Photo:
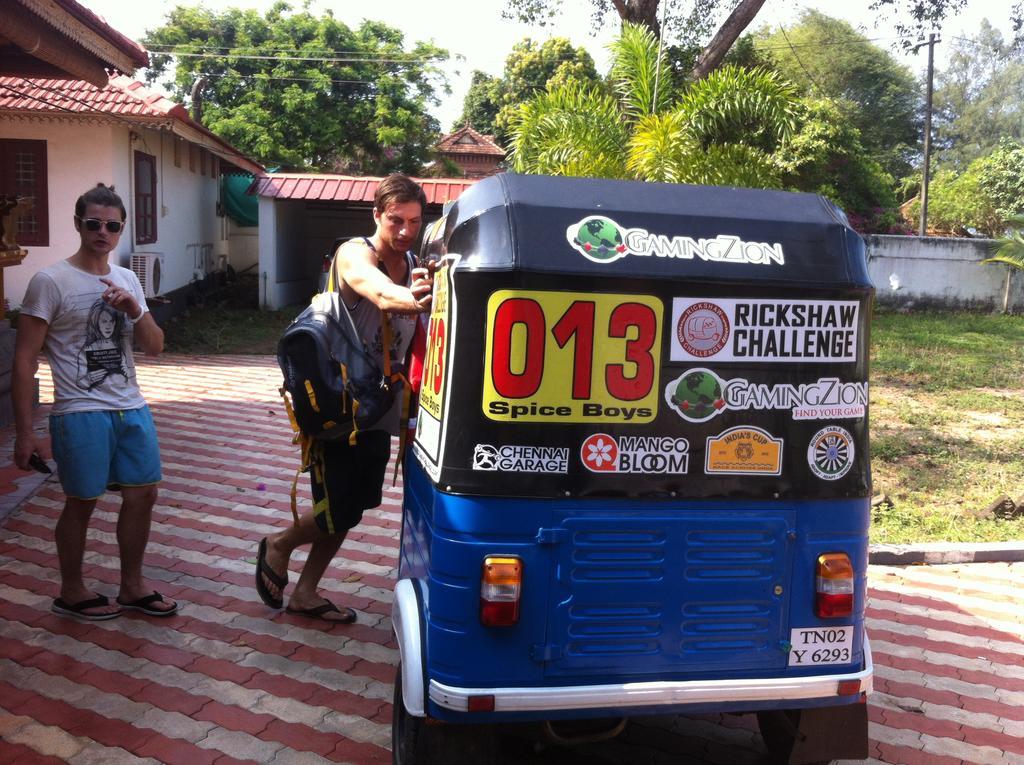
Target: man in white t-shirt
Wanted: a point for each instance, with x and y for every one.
(85, 313)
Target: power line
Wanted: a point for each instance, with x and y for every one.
(814, 82)
(282, 59)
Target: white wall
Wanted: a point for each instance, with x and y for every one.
(187, 211)
(78, 155)
(243, 246)
(940, 272)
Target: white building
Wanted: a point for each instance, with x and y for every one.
(59, 137)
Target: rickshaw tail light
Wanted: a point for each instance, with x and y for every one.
(834, 596)
(500, 588)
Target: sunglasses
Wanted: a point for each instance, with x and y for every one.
(95, 224)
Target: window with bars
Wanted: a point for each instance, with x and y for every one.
(23, 174)
(145, 198)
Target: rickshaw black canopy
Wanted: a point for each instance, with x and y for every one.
(623, 339)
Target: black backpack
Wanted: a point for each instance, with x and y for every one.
(333, 386)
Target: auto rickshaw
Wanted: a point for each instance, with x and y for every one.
(640, 480)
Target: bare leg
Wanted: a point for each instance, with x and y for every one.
(70, 535)
(280, 547)
(322, 551)
(133, 524)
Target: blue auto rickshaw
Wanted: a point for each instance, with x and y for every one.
(640, 481)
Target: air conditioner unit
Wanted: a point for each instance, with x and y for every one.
(147, 266)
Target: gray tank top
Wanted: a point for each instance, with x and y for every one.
(366, 317)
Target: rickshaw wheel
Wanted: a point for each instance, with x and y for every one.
(408, 739)
(779, 729)
(415, 742)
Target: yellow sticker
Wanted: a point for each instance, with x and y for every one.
(572, 357)
(435, 366)
(744, 450)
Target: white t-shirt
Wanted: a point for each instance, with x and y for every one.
(88, 343)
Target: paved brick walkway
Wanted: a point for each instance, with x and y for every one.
(227, 680)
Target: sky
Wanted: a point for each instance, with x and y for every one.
(476, 31)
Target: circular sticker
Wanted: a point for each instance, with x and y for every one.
(703, 329)
(600, 453)
(830, 453)
(697, 395)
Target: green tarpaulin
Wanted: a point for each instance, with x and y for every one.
(240, 207)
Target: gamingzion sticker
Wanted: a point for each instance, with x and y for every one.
(788, 331)
(602, 240)
(699, 394)
(602, 453)
(830, 453)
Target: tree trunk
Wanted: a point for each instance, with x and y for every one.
(640, 12)
(738, 20)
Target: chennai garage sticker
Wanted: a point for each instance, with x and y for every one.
(601, 453)
(830, 453)
(744, 450)
(699, 394)
(602, 240)
(521, 459)
(795, 331)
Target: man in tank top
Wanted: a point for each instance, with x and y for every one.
(376, 275)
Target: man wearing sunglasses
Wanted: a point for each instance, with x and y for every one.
(86, 314)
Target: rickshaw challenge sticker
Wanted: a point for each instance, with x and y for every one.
(793, 331)
(830, 453)
(743, 450)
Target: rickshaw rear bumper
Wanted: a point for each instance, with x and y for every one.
(732, 695)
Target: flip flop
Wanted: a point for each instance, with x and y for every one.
(142, 604)
(317, 612)
(263, 569)
(62, 607)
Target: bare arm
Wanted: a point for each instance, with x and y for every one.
(148, 334)
(357, 268)
(28, 344)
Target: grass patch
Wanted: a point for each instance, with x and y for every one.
(226, 330)
(229, 322)
(947, 426)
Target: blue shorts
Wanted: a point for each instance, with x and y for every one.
(101, 450)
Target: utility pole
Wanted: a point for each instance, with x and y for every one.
(932, 39)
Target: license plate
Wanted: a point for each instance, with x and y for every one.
(820, 645)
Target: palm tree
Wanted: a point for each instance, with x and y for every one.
(1009, 249)
(721, 130)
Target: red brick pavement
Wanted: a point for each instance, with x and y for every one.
(228, 681)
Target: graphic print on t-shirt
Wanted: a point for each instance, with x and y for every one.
(103, 353)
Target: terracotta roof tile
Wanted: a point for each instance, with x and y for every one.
(477, 143)
(122, 97)
(342, 188)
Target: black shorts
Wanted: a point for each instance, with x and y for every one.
(346, 480)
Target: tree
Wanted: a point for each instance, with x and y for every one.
(302, 91)
(979, 98)
(1009, 248)
(689, 23)
(983, 197)
(529, 68)
(825, 156)
(481, 104)
(826, 57)
(1002, 176)
(692, 22)
(720, 131)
